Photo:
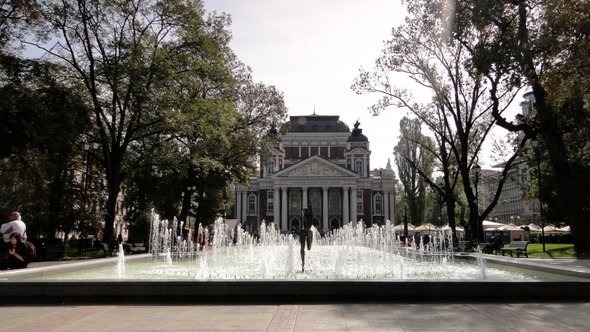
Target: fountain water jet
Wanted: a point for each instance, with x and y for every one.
(349, 264)
(349, 253)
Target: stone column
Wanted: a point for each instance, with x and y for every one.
(353, 202)
(283, 223)
(276, 207)
(325, 208)
(392, 206)
(345, 207)
(239, 207)
(245, 205)
(385, 205)
(304, 198)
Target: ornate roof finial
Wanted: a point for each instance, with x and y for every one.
(357, 124)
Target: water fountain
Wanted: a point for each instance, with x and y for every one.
(349, 253)
(354, 261)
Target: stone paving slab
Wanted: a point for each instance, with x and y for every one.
(313, 317)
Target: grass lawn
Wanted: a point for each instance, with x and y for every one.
(552, 250)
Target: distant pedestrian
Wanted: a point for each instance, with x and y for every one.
(417, 240)
(16, 256)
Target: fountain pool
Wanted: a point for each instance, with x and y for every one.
(282, 263)
(351, 264)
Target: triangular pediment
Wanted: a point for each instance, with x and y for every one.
(315, 166)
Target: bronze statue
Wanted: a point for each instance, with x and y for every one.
(305, 235)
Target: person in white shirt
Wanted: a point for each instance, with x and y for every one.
(15, 225)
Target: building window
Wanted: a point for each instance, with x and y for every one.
(294, 202)
(271, 167)
(270, 204)
(359, 202)
(252, 204)
(358, 167)
(334, 202)
(378, 204)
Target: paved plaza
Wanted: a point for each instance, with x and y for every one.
(539, 317)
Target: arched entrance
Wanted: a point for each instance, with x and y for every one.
(316, 223)
(294, 225)
(334, 224)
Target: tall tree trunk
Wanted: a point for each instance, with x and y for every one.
(114, 179)
(571, 191)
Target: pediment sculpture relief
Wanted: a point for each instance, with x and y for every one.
(315, 169)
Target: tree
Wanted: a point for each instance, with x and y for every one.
(214, 130)
(41, 162)
(541, 45)
(459, 113)
(17, 17)
(124, 54)
(413, 157)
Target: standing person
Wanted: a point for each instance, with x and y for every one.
(14, 225)
(305, 235)
(16, 256)
(417, 239)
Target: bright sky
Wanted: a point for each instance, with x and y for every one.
(311, 50)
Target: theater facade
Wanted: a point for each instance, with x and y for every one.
(322, 165)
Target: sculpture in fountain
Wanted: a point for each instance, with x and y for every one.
(305, 236)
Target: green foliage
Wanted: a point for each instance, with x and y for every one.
(459, 111)
(17, 18)
(40, 159)
(415, 161)
(552, 250)
(541, 45)
(164, 96)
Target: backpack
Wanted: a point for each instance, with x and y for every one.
(31, 251)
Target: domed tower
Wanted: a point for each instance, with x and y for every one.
(357, 152)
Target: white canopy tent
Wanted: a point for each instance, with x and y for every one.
(487, 224)
(460, 230)
(426, 228)
(514, 232)
(534, 228)
(400, 227)
(552, 229)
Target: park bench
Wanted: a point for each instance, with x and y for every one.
(516, 246)
(108, 250)
(464, 246)
(484, 248)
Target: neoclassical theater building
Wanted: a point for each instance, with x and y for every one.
(322, 165)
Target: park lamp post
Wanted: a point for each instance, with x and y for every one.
(382, 196)
(441, 197)
(477, 170)
(190, 190)
(535, 144)
(88, 147)
(187, 223)
(157, 175)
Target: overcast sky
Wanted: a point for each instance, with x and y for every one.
(311, 50)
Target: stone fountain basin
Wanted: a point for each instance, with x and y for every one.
(28, 286)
